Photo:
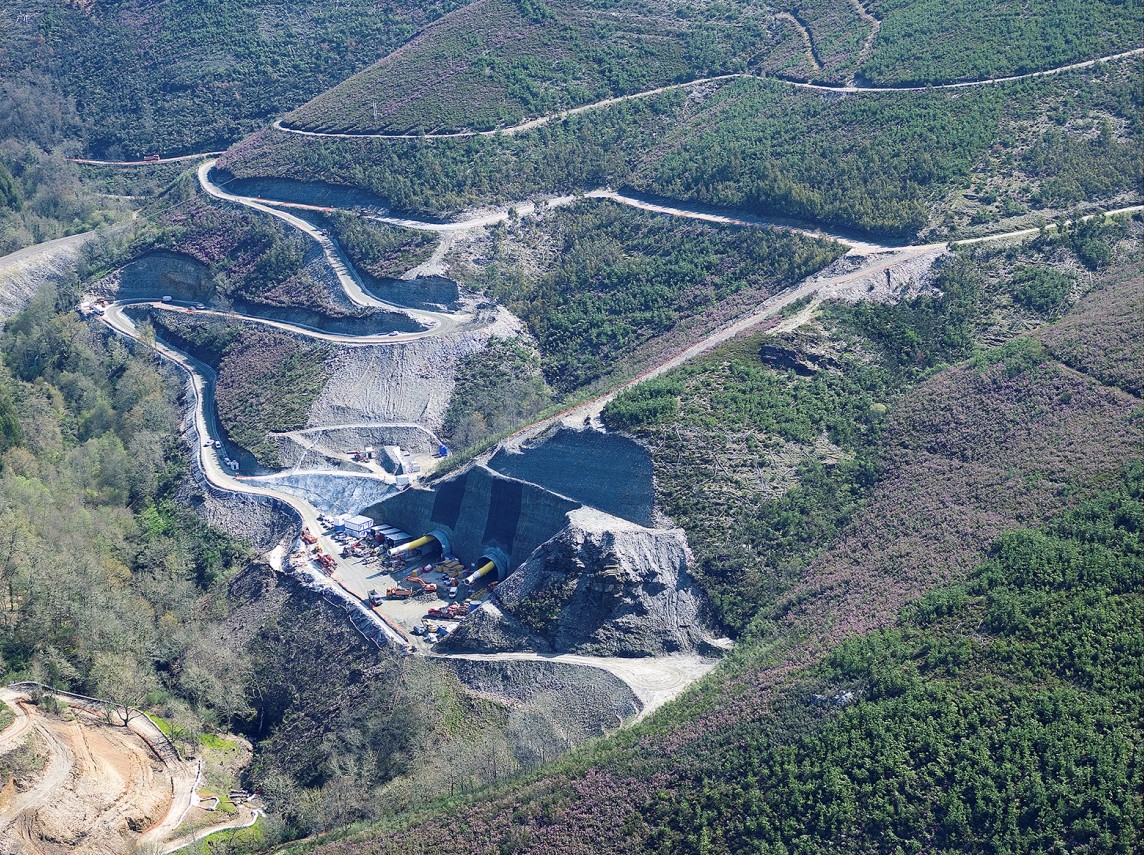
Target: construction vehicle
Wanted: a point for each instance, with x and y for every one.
(453, 611)
(375, 597)
(398, 593)
(426, 587)
(326, 562)
(308, 538)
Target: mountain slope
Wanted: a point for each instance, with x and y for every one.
(1007, 440)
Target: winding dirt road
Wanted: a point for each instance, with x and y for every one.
(352, 283)
(871, 260)
(439, 323)
(840, 88)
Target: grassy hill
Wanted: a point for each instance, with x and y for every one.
(495, 63)
(123, 79)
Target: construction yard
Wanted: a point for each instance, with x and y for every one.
(417, 593)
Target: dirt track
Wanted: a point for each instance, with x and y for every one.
(848, 89)
(871, 259)
(101, 788)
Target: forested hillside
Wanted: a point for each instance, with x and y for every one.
(869, 342)
(103, 568)
(886, 163)
(1000, 714)
(799, 451)
(925, 42)
(122, 79)
(495, 63)
(619, 283)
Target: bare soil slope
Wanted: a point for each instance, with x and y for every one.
(97, 791)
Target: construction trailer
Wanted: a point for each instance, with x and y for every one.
(358, 526)
(391, 537)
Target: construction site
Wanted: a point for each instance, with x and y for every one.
(89, 776)
(443, 569)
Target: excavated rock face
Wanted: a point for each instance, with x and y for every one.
(408, 382)
(164, 272)
(602, 586)
(24, 273)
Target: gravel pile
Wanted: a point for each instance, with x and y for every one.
(603, 587)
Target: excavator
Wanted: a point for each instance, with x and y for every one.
(426, 587)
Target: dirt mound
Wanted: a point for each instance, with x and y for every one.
(24, 273)
(551, 702)
(407, 382)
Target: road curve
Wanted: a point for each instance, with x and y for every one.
(202, 834)
(529, 208)
(52, 776)
(202, 377)
(343, 269)
(840, 88)
(183, 307)
(209, 460)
